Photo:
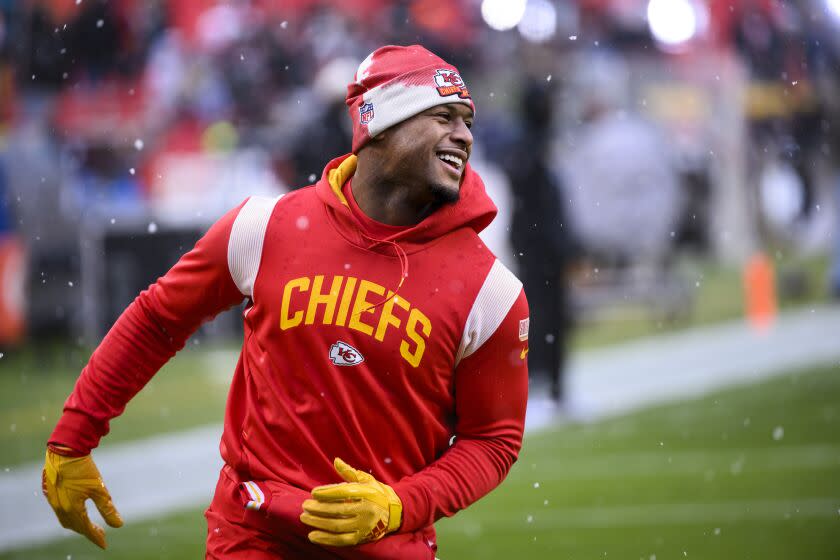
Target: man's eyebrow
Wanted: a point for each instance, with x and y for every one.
(452, 108)
(456, 108)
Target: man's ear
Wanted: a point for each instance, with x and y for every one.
(379, 137)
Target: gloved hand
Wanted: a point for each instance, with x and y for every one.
(353, 512)
(67, 483)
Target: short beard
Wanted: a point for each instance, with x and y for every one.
(443, 195)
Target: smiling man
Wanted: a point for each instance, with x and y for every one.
(380, 333)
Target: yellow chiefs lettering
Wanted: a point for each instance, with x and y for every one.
(353, 302)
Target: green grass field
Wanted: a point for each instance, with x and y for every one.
(189, 391)
(747, 473)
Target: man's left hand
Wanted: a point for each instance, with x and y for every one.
(357, 511)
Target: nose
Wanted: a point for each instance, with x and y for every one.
(462, 134)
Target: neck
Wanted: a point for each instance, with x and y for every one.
(385, 200)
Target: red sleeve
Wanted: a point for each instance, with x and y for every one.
(491, 394)
(147, 334)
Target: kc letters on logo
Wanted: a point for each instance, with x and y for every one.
(449, 82)
(342, 354)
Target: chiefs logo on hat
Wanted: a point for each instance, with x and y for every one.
(449, 82)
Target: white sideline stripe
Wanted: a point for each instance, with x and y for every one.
(688, 462)
(715, 514)
(246, 242)
(497, 295)
(698, 361)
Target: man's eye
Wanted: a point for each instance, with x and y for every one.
(469, 124)
(443, 115)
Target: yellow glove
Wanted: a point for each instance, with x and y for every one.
(353, 512)
(67, 483)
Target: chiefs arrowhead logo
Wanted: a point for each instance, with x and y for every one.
(342, 354)
(449, 82)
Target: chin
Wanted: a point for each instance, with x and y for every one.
(446, 194)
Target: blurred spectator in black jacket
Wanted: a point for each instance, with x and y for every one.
(328, 133)
(541, 237)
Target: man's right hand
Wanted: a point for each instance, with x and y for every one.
(67, 483)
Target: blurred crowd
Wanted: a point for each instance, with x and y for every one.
(604, 135)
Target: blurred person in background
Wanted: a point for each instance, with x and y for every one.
(13, 260)
(328, 128)
(378, 329)
(623, 187)
(541, 236)
(826, 70)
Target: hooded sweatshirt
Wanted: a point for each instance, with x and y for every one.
(401, 350)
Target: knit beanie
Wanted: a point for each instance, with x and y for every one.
(395, 83)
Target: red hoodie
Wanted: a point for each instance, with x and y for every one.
(333, 363)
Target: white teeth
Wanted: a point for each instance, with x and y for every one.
(454, 159)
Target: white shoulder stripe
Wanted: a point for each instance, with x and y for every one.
(246, 241)
(495, 298)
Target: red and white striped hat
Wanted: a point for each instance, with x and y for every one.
(394, 83)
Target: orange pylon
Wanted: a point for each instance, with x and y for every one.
(760, 292)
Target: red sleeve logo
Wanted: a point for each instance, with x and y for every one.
(523, 328)
(449, 82)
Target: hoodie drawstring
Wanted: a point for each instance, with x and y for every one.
(402, 256)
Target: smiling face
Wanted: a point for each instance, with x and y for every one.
(428, 153)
